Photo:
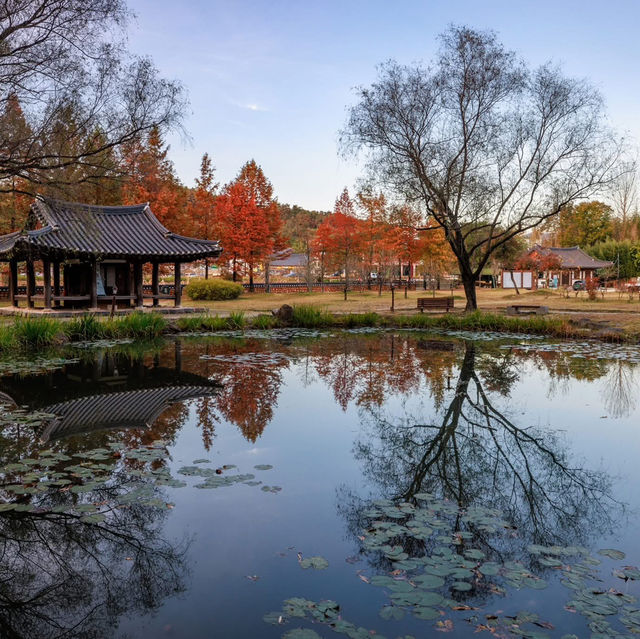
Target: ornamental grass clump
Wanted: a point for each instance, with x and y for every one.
(235, 320)
(264, 322)
(213, 289)
(37, 332)
(7, 337)
(137, 324)
(305, 316)
(356, 320)
(84, 328)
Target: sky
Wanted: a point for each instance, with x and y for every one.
(271, 80)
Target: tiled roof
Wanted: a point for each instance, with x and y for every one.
(295, 259)
(572, 257)
(103, 231)
(125, 409)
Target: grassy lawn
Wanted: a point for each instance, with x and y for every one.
(488, 299)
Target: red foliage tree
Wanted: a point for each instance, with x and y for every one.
(248, 220)
(341, 236)
(152, 179)
(202, 204)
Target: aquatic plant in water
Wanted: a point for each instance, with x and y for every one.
(430, 568)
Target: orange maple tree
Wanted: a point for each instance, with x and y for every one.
(201, 206)
(152, 178)
(248, 220)
(340, 236)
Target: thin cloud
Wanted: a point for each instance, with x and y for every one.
(253, 107)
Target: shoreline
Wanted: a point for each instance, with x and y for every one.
(43, 332)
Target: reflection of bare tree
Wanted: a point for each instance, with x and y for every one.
(475, 453)
(61, 577)
(620, 389)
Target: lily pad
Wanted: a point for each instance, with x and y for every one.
(301, 633)
(612, 553)
(317, 563)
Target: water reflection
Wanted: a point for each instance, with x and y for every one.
(474, 451)
(434, 414)
(62, 577)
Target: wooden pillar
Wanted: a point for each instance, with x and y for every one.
(137, 278)
(177, 283)
(155, 283)
(178, 356)
(56, 283)
(46, 273)
(93, 285)
(31, 283)
(267, 276)
(13, 281)
(132, 280)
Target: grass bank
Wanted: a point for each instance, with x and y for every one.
(29, 333)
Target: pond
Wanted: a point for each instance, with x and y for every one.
(304, 484)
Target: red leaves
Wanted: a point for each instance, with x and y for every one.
(248, 218)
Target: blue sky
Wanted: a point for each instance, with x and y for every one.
(271, 79)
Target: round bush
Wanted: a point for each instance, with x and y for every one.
(213, 289)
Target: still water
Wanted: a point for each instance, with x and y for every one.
(303, 485)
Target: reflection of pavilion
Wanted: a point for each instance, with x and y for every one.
(112, 392)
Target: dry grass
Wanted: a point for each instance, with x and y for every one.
(361, 302)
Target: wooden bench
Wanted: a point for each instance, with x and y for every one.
(527, 309)
(438, 303)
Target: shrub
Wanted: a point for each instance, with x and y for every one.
(37, 332)
(213, 289)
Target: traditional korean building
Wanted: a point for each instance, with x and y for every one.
(575, 264)
(95, 254)
(572, 264)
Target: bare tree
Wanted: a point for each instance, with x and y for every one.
(625, 196)
(65, 61)
(488, 147)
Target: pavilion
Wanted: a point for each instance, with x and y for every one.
(102, 251)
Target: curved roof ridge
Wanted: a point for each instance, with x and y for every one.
(84, 205)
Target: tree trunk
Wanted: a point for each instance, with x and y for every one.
(514, 282)
(469, 283)
(251, 289)
(206, 268)
(235, 275)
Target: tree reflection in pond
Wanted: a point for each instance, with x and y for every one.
(475, 452)
(61, 576)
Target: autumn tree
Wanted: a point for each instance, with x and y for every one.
(300, 226)
(585, 223)
(14, 131)
(403, 236)
(321, 244)
(201, 206)
(63, 55)
(482, 142)
(152, 178)
(248, 220)
(375, 230)
(342, 235)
